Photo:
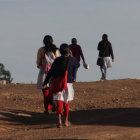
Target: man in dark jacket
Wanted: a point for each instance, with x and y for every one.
(77, 53)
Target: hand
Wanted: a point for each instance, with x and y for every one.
(45, 86)
(70, 53)
(112, 60)
(38, 67)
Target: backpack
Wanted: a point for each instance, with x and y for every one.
(47, 61)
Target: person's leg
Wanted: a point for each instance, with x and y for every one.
(54, 105)
(75, 74)
(104, 72)
(59, 112)
(47, 100)
(59, 121)
(52, 102)
(66, 113)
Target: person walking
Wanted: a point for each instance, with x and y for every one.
(106, 54)
(45, 57)
(76, 51)
(58, 69)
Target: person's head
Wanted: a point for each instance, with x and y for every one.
(74, 41)
(47, 39)
(104, 37)
(64, 49)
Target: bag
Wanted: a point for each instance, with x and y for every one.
(46, 67)
(86, 66)
(100, 61)
(59, 83)
(47, 61)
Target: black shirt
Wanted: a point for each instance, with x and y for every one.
(60, 65)
(105, 49)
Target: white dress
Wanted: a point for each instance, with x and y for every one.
(50, 57)
(66, 95)
(41, 78)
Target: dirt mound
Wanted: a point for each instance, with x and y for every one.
(100, 111)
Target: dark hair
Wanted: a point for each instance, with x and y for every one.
(64, 49)
(48, 39)
(105, 42)
(74, 40)
(104, 37)
(48, 42)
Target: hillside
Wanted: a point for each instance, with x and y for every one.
(107, 110)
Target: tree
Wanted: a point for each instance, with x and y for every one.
(5, 74)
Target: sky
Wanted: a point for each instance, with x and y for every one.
(24, 23)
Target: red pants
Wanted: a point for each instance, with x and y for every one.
(60, 106)
(47, 99)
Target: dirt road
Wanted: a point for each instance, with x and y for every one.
(107, 110)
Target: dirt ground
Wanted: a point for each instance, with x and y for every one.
(108, 110)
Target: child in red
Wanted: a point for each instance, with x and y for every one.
(59, 66)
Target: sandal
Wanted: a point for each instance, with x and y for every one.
(67, 124)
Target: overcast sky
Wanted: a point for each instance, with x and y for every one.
(24, 23)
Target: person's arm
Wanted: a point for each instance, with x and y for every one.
(111, 52)
(81, 54)
(57, 53)
(71, 53)
(99, 46)
(40, 54)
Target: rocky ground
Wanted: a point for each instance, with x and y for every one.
(108, 110)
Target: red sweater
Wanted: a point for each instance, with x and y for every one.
(77, 52)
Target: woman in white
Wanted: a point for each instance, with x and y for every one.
(45, 57)
(106, 52)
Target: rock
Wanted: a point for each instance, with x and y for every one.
(24, 115)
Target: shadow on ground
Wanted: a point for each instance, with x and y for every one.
(21, 117)
(118, 116)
